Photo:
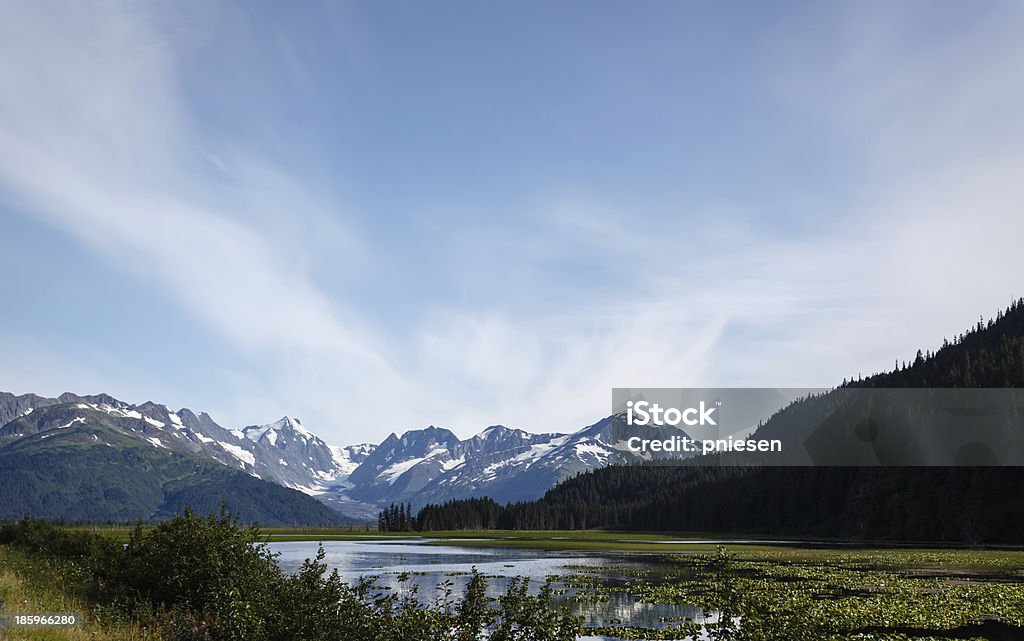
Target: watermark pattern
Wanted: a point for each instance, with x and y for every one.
(807, 426)
(9, 620)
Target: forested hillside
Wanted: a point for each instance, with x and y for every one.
(92, 473)
(954, 504)
(990, 354)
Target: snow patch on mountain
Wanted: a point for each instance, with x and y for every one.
(241, 454)
(392, 472)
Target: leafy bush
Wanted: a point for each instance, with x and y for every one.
(533, 618)
(202, 565)
(193, 578)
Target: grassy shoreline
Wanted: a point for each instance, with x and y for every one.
(32, 586)
(594, 540)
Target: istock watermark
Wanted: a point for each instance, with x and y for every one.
(670, 412)
(814, 426)
(644, 413)
(687, 445)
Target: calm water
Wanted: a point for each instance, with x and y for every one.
(429, 565)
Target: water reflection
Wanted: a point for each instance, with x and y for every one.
(429, 565)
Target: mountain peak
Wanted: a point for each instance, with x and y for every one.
(495, 430)
(284, 425)
(95, 399)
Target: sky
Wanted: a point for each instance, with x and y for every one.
(378, 216)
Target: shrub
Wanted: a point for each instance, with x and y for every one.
(193, 578)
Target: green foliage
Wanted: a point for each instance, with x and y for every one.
(473, 614)
(950, 504)
(193, 578)
(849, 595)
(533, 618)
(397, 518)
(42, 539)
(466, 514)
(196, 564)
(987, 355)
(208, 578)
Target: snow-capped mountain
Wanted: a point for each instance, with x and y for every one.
(289, 454)
(292, 455)
(430, 465)
(158, 425)
(433, 465)
(512, 465)
(97, 458)
(284, 452)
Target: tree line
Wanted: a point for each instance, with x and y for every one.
(397, 518)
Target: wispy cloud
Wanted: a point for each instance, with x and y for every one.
(97, 141)
(100, 140)
(923, 241)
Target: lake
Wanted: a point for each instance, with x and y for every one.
(429, 565)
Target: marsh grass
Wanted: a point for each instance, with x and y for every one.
(33, 586)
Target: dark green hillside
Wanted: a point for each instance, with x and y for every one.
(988, 355)
(954, 504)
(93, 473)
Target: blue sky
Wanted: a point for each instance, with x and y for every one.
(381, 215)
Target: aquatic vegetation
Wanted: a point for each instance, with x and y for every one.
(844, 595)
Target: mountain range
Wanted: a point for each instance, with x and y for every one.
(87, 458)
(97, 458)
